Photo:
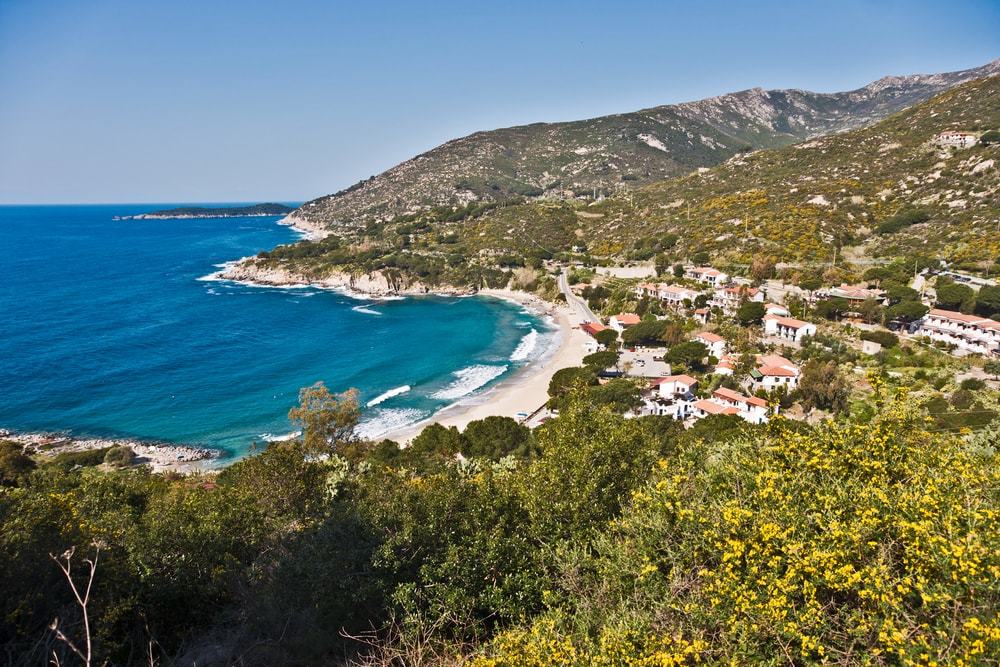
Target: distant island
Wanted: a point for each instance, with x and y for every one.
(205, 212)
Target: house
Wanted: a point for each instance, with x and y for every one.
(592, 328)
(676, 386)
(750, 408)
(707, 275)
(774, 371)
(675, 295)
(788, 327)
(969, 333)
(953, 139)
(623, 321)
(702, 315)
(729, 298)
(705, 407)
(715, 343)
(646, 290)
(726, 365)
(853, 293)
(775, 309)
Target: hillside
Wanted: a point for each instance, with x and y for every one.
(602, 155)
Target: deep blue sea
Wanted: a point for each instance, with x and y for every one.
(108, 328)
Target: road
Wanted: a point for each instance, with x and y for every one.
(576, 304)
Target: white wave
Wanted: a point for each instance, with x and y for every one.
(468, 380)
(525, 347)
(386, 421)
(365, 309)
(271, 437)
(381, 398)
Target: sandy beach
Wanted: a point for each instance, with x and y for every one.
(527, 389)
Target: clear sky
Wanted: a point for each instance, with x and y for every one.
(185, 101)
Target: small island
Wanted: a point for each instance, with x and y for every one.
(255, 210)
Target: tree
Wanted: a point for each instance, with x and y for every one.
(988, 300)
(326, 419)
(495, 437)
(619, 394)
(678, 270)
(953, 296)
(823, 386)
(607, 337)
(601, 360)
(762, 267)
(993, 368)
(750, 312)
(832, 309)
(644, 333)
(990, 137)
(437, 441)
(688, 354)
(870, 310)
(565, 379)
(897, 293)
(907, 311)
(14, 463)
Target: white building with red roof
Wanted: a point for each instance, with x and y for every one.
(623, 321)
(969, 333)
(675, 295)
(707, 275)
(676, 386)
(954, 139)
(752, 409)
(788, 327)
(774, 371)
(715, 343)
(730, 298)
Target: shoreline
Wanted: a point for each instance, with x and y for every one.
(159, 456)
(310, 231)
(526, 390)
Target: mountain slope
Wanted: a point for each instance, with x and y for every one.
(576, 158)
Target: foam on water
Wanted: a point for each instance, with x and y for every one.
(525, 347)
(366, 310)
(384, 421)
(469, 379)
(383, 397)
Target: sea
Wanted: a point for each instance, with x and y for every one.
(117, 328)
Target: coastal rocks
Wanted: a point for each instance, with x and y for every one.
(375, 284)
(159, 456)
(310, 229)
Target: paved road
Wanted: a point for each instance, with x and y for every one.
(578, 305)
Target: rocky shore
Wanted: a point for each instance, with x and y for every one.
(159, 456)
(312, 231)
(375, 284)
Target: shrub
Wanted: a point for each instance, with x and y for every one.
(972, 384)
(14, 463)
(884, 338)
(85, 458)
(119, 456)
(903, 219)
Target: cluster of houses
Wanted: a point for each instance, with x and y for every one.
(969, 333)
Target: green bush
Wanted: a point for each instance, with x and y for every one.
(902, 220)
(84, 458)
(972, 384)
(119, 456)
(884, 338)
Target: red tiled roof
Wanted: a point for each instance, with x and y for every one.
(960, 317)
(628, 318)
(710, 337)
(713, 408)
(737, 397)
(592, 328)
(682, 379)
(789, 322)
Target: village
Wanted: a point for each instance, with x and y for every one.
(710, 343)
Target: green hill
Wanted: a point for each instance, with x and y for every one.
(603, 155)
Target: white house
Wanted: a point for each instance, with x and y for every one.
(702, 315)
(788, 327)
(729, 298)
(707, 275)
(726, 365)
(676, 386)
(969, 333)
(774, 371)
(775, 309)
(675, 295)
(623, 321)
(715, 343)
(953, 139)
(750, 408)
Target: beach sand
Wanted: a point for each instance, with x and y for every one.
(527, 389)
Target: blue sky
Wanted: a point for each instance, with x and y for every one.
(237, 101)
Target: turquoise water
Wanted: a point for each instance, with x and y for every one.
(110, 329)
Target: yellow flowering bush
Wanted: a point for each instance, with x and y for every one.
(869, 542)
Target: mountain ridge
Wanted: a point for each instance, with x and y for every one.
(569, 159)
